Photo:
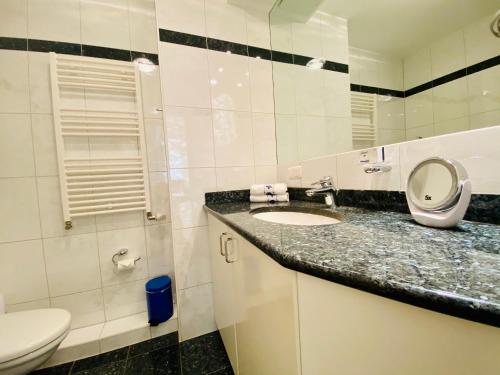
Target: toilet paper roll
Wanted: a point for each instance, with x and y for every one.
(125, 265)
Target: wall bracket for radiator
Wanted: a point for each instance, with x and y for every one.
(101, 147)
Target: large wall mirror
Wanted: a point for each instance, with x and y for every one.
(352, 74)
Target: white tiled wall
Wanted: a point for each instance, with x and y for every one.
(313, 114)
(41, 263)
(467, 103)
(220, 132)
(370, 68)
(477, 150)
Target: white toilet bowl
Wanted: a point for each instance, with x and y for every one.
(29, 338)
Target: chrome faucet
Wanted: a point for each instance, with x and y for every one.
(326, 188)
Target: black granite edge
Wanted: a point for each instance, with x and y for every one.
(445, 304)
(440, 303)
(381, 200)
(76, 49)
(15, 44)
(230, 196)
(483, 208)
(299, 194)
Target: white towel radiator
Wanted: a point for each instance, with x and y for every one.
(364, 119)
(99, 130)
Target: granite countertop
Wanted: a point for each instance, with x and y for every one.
(454, 271)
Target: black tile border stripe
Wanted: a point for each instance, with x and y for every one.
(486, 64)
(191, 40)
(213, 44)
(184, 39)
(106, 53)
(230, 47)
(170, 36)
(37, 45)
(15, 44)
(377, 90)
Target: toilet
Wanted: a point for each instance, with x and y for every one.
(29, 338)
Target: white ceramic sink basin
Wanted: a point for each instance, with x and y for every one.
(295, 218)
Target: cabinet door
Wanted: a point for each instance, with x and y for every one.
(222, 287)
(346, 331)
(266, 314)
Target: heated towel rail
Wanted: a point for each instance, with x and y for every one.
(99, 131)
(364, 119)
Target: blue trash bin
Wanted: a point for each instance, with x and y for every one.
(159, 297)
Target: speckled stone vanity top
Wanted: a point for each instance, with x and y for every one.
(455, 271)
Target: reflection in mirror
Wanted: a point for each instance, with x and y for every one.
(356, 74)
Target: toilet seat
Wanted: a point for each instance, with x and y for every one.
(24, 332)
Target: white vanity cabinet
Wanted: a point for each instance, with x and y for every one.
(223, 289)
(347, 331)
(260, 306)
(255, 304)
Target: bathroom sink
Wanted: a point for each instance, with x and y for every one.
(291, 216)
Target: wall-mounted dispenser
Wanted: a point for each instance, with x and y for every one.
(379, 166)
(438, 192)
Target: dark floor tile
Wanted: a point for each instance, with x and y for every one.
(100, 360)
(224, 371)
(154, 344)
(113, 368)
(165, 361)
(56, 370)
(203, 355)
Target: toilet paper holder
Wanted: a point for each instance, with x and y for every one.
(120, 253)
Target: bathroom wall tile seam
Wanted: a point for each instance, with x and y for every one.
(37, 190)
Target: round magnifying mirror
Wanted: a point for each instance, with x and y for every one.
(435, 186)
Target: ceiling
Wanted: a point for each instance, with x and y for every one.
(399, 27)
(254, 5)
